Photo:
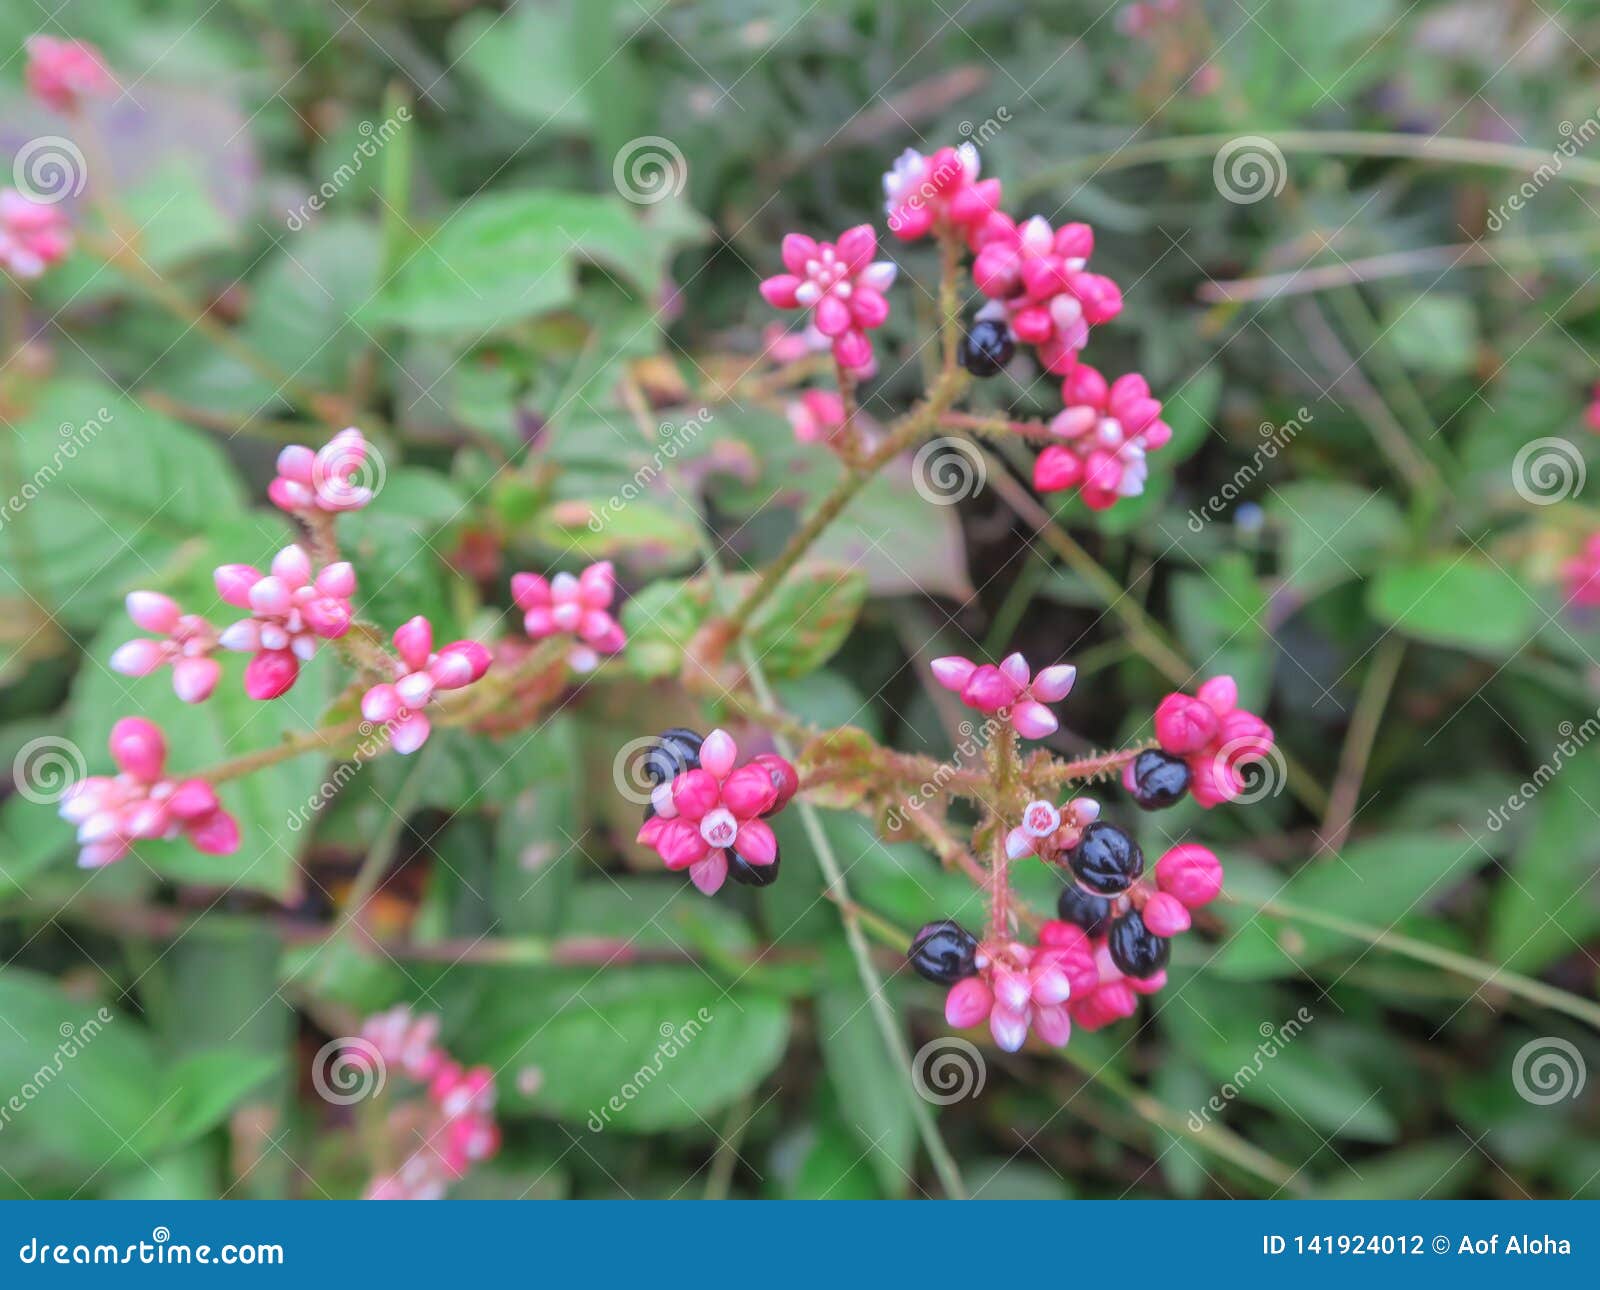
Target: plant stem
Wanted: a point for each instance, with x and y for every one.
(1364, 722)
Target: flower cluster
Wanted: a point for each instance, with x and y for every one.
(840, 284)
(33, 235)
(187, 642)
(938, 194)
(453, 1122)
(573, 606)
(1214, 736)
(1581, 575)
(1010, 690)
(290, 612)
(61, 74)
(142, 802)
(816, 416)
(419, 674)
(327, 480)
(1105, 431)
(710, 818)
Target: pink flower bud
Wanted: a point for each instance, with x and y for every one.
(338, 580)
(380, 704)
(717, 753)
(756, 842)
(529, 591)
(1220, 694)
(1009, 1027)
(708, 874)
(293, 566)
(234, 582)
(988, 689)
(153, 612)
(680, 845)
(216, 835)
(1184, 725)
(1165, 915)
(695, 792)
(1191, 873)
(139, 748)
(953, 671)
(194, 679)
(409, 733)
(414, 641)
(749, 791)
(1053, 1024)
(459, 663)
(1033, 720)
(270, 673)
(138, 658)
(193, 799)
(968, 1003)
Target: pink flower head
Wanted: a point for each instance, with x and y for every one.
(187, 642)
(816, 416)
(419, 674)
(1581, 575)
(1106, 431)
(702, 817)
(577, 606)
(1017, 987)
(402, 1041)
(33, 235)
(336, 477)
(841, 285)
(938, 193)
(1010, 689)
(1047, 832)
(1215, 736)
(62, 73)
(1191, 874)
(142, 802)
(289, 613)
(1038, 275)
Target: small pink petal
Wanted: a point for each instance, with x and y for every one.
(1054, 683)
(139, 748)
(953, 671)
(138, 658)
(718, 752)
(1033, 720)
(194, 679)
(1010, 1029)
(153, 612)
(293, 565)
(968, 1003)
(409, 733)
(709, 874)
(414, 640)
(756, 842)
(270, 673)
(380, 703)
(234, 582)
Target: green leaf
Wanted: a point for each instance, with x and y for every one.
(1331, 530)
(1433, 332)
(1455, 600)
(1220, 612)
(874, 1092)
(1535, 917)
(200, 1090)
(524, 60)
(652, 532)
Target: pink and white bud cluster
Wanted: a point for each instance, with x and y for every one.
(1106, 431)
(142, 803)
(186, 643)
(33, 235)
(290, 612)
(1010, 690)
(1020, 987)
(816, 416)
(841, 286)
(1214, 736)
(1047, 832)
(419, 674)
(455, 1121)
(328, 479)
(707, 818)
(1580, 575)
(576, 606)
(61, 74)
(1185, 878)
(1038, 275)
(939, 194)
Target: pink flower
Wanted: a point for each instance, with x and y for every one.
(840, 284)
(419, 675)
(1190, 873)
(577, 606)
(1018, 987)
(62, 73)
(1038, 276)
(189, 641)
(329, 479)
(1047, 832)
(938, 193)
(703, 817)
(405, 1042)
(1107, 431)
(816, 416)
(1010, 689)
(1215, 736)
(1581, 575)
(290, 613)
(33, 235)
(114, 812)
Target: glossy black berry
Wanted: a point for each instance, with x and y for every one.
(675, 751)
(1106, 860)
(943, 952)
(753, 875)
(987, 347)
(1090, 912)
(1135, 949)
(1159, 779)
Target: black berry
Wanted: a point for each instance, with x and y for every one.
(987, 347)
(1135, 949)
(675, 751)
(752, 875)
(1106, 860)
(943, 952)
(1090, 912)
(1159, 779)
